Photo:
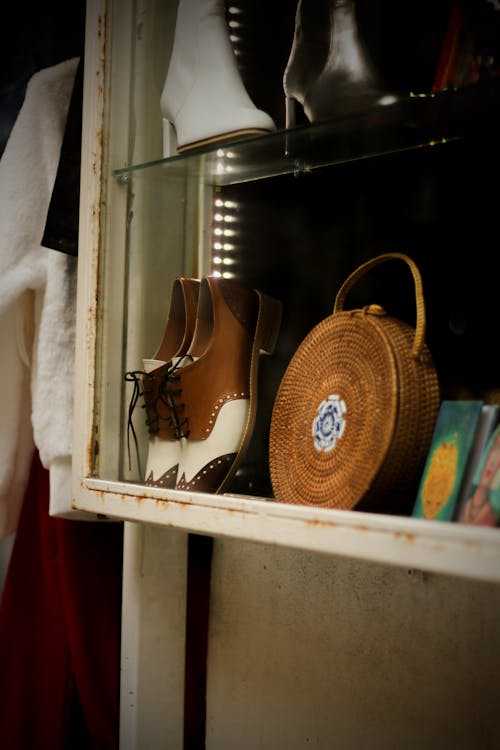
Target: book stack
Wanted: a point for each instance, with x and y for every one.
(461, 477)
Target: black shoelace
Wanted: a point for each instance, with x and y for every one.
(136, 377)
(143, 387)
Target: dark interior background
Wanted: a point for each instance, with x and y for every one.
(33, 36)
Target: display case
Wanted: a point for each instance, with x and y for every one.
(291, 212)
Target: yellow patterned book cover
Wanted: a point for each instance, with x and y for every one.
(447, 459)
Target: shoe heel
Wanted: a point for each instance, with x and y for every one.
(290, 114)
(290, 120)
(268, 323)
(169, 139)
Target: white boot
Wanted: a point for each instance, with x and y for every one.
(203, 99)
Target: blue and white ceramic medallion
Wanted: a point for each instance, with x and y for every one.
(329, 424)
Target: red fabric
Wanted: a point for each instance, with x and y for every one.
(60, 617)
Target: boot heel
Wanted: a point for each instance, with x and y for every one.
(290, 115)
(268, 323)
(169, 139)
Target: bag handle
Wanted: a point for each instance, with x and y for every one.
(419, 340)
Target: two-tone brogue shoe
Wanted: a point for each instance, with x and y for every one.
(153, 384)
(214, 398)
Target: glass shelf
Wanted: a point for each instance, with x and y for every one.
(409, 123)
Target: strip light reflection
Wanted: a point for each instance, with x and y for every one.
(225, 212)
(223, 251)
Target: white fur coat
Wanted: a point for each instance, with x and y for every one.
(37, 304)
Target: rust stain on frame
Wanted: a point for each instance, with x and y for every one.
(94, 208)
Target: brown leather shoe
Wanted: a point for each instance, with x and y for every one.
(181, 321)
(164, 452)
(214, 398)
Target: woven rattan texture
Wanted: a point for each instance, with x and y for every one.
(389, 399)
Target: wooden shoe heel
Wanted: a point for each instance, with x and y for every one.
(268, 323)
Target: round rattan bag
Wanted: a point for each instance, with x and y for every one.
(355, 411)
